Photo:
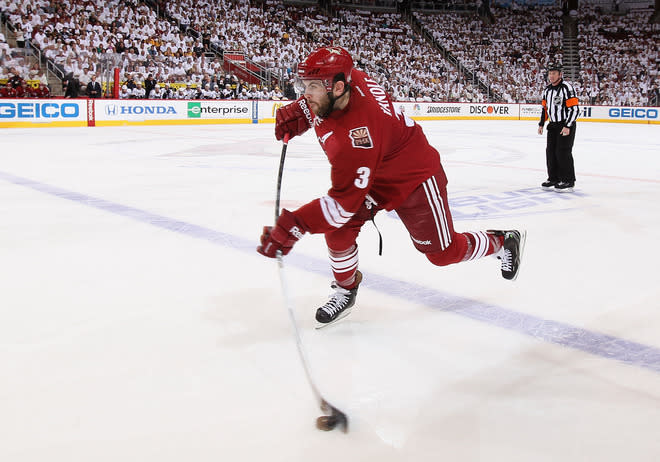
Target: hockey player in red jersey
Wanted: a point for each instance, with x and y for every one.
(380, 159)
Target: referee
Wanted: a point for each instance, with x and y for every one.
(560, 108)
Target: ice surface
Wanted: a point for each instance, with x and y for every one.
(137, 323)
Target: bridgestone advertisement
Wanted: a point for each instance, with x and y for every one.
(459, 111)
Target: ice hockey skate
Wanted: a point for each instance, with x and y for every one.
(564, 186)
(339, 304)
(513, 247)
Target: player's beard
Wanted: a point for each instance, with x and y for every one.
(322, 108)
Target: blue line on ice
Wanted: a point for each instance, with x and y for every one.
(605, 346)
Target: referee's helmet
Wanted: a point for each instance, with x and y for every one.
(554, 67)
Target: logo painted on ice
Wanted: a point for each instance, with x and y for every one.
(528, 201)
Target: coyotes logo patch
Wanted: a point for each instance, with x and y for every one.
(360, 138)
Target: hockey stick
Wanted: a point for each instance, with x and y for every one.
(285, 144)
(335, 417)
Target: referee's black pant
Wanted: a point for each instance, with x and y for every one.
(559, 153)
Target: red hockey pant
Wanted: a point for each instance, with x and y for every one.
(426, 216)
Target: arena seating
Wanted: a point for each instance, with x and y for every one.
(619, 57)
(175, 43)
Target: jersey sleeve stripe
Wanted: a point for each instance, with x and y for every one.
(570, 102)
(333, 212)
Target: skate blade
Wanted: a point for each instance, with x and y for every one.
(521, 252)
(321, 325)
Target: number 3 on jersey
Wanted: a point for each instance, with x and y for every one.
(363, 177)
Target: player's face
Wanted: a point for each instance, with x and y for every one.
(316, 95)
(553, 77)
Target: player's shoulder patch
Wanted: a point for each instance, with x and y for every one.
(361, 138)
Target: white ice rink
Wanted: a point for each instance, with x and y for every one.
(138, 323)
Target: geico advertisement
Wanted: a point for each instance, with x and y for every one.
(138, 109)
(42, 111)
(631, 114)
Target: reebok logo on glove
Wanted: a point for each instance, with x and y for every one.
(302, 102)
(293, 119)
(295, 231)
(286, 232)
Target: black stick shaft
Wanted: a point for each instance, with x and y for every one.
(285, 143)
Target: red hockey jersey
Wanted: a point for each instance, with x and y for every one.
(374, 150)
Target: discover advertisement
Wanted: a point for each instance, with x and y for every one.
(459, 111)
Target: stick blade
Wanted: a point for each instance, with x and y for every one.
(339, 416)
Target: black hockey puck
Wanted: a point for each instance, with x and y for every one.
(326, 422)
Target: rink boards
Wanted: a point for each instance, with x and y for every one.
(111, 112)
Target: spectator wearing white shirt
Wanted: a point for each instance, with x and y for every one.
(138, 92)
(125, 93)
(156, 92)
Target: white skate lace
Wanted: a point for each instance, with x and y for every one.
(337, 302)
(507, 264)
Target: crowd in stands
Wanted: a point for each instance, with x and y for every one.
(619, 58)
(276, 37)
(267, 35)
(510, 55)
(76, 34)
(23, 80)
(405, 64)
(173, 55)
(17, 87)
(226, 88)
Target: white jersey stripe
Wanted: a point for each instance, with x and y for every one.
(435, 201)
(334, 213)
(435, 213)
(443, 212)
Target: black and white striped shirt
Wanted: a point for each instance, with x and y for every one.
(560, 104)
